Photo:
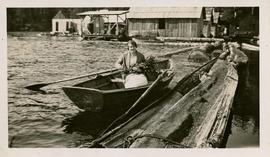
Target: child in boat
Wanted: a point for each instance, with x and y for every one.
(126, 61)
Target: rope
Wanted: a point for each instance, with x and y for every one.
(129, 140)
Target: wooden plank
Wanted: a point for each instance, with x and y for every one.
(182, 28)
(175, 33)
(185, 28)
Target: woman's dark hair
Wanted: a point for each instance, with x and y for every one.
(133, 43)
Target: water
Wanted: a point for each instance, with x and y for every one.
(51, 120)
(245, 121)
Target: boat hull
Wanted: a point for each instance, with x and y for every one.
(107, 95)
(95, 100)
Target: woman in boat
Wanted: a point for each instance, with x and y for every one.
(130, 57)
(127, 62)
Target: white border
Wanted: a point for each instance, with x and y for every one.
(262, 151)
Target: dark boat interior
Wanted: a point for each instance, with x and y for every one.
(106, 81)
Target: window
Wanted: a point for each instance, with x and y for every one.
(67, 26)
(56, 26)
(161, 23)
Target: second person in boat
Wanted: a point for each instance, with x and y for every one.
(127, 62)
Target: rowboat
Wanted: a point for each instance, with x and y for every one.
(194, 114)
(101, 93)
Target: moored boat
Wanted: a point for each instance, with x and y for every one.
(194, 114)
(103, 93)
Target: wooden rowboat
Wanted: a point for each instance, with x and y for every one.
(103, 94)
(194, 114)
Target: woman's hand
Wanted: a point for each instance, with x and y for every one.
(135, 69)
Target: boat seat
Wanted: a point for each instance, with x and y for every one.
(117, 80)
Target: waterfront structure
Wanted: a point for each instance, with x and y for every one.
(62, 24)
(166, 21)
(103, 22)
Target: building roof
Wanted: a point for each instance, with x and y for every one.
(102, 12)
(165, 12)
(59, 15)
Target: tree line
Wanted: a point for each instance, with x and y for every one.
(40, 19)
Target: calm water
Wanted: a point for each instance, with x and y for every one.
(245, 121)
(50, 120)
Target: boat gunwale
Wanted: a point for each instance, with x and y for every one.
(165, 79)
(116, 90)
(107, 91)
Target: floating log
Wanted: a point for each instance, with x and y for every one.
(212, 130)
(183, 50)
(191, 39)
(250, 47)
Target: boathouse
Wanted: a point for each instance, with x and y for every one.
(165, 21)
(64, 24)
(102, 22)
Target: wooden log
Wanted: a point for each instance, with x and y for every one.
(215, 122)
(218, 131)
(193, 39)
(183, 50)
(250, 47)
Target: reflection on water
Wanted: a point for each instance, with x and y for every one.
(87, 123)
(245, 122)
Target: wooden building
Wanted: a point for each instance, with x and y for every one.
(102, 22)
(63, 24)
(211, 27)
(165, 21)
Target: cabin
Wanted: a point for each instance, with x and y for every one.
(62, 24)
(165, 21)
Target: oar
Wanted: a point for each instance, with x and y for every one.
(36, 87)
(160, 76)
(104, 135)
